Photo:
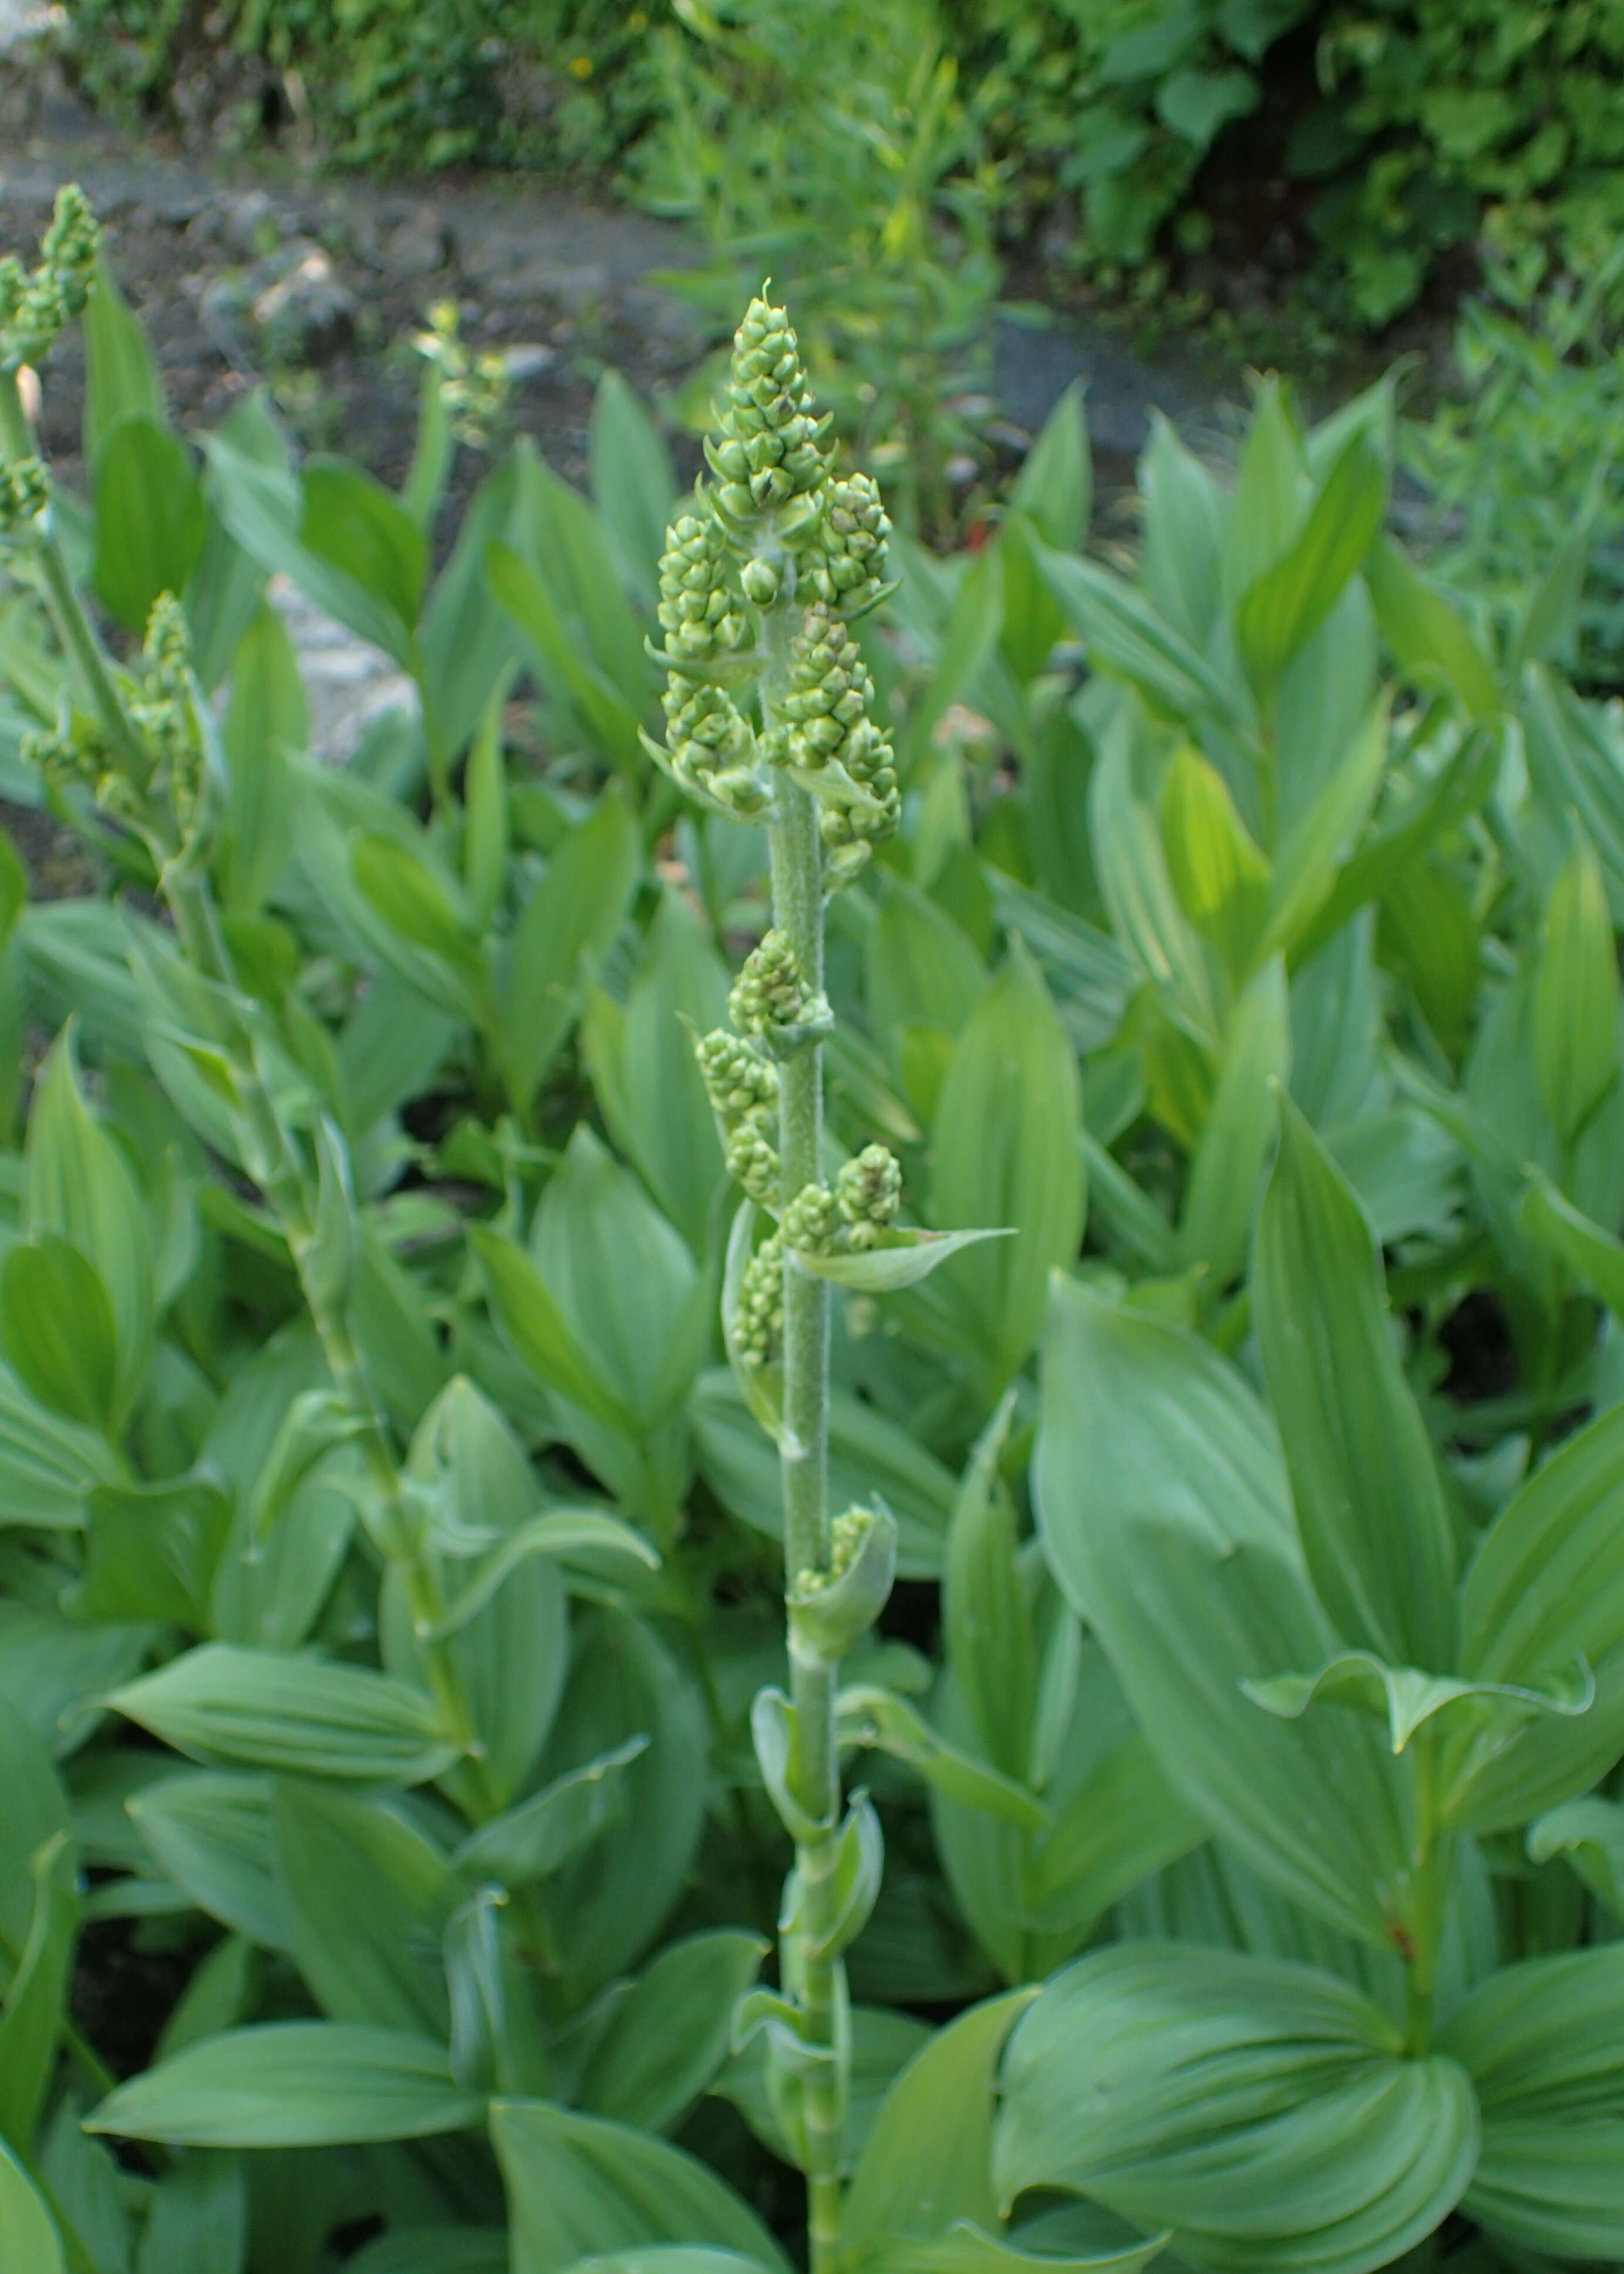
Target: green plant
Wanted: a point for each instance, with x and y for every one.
(366, 1139)
(1522, 474)
(869, 205)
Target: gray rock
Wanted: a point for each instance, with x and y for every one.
(247, 224)
(417, 246)
(309, 313)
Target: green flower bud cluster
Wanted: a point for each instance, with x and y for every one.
(709, 747)
(830, 1611)
(72, 754)
(752, 1162)
(770, 998)
(24, 486)
(696, 610)
(869, 1192)
(743, 1085)
(758, 1323)
(164, 715)
(772, 447)
(812, 1221)
(36, 308)
(867, 1195)
(833, 745)
(844, 564)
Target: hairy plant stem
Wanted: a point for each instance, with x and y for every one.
(815, 1768)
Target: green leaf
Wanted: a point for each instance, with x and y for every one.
(1265, 2111)
(261, 505)
(257, 1709)
(1407, 1700)
(644, 1069)
(633, 485)
(928, 2163)
(898, 1258)
(545, 1829)
(199, 2220)
(1590, 1833)
(149, 519)
(292, 2084)
(1183, 522)
(212, 1832)
(579, 2186)
(566, 1534)
(1054, 486)
(1429, 638)
(369, 1897)
(1594, 1256)
(1540, 2042)
(1221, 1192)
(121, 372)
(1128, 639)
(608, 1901)
(416, 899)
(669, 2036)
(265, 725)
(564, 931)
(1291, 597)
(1163, 1512)
(533, 1324)
(992, 1167)
(1546, 1588)
(1323, 836)
(868, 1715)
(1147, 914)
(153, 1551)
(34, 2008)
(1576, 997)
(1220, 876)
(80, 1185)
(46, 1464)
(1370, 1504)
(353, 523)
(28, 2237)
(986, 1619)
(58, 1333)
(558, 659)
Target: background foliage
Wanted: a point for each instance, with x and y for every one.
(1415, 131)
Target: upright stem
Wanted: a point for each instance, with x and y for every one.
(815, 1768)
(73, 625)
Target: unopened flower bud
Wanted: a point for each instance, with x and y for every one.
(830, 1611)
(770, 997)
(760, 581)
(812, 1221)
(24, 489)
(869, 1192)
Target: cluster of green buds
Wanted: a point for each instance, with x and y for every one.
(772, 999)
(775, 1013)
(867, 1195)
(37, 305)
(761, 577)
(161, 794)
(830, 1611)
(25, 490)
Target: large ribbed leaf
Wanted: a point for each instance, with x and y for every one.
(1264, 2110)
(1163, 1508)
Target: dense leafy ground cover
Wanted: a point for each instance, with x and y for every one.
(1221, 1641)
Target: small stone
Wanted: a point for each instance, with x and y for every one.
(417, 245)
(310, 314)
(248, 225)
(528, 359)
